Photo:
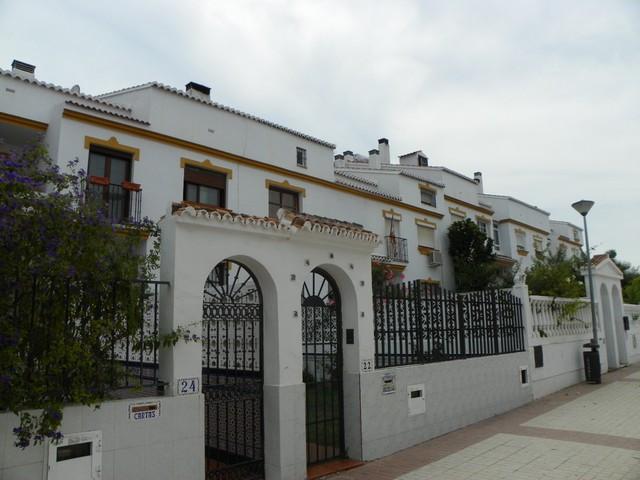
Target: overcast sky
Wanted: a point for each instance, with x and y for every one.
(543, 97)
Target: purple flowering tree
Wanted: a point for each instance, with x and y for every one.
(66, 277)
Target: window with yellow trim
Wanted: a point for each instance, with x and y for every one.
(426, 237)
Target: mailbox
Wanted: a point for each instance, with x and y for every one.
(77, 456)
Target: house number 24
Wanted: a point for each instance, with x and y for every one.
(188, 386)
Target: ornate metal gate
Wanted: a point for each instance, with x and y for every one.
(322, 367)
(232, 373)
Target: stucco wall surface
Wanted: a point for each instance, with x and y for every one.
(165, 448)
(457, 393)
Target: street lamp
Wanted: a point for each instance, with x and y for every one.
(591, 359)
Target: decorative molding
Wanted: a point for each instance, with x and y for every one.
(462, 203)
(523, 253)
(23, 122)
(429, 281)
(424, 186)
(285, 185)
(426, 223)
(424, 250)
(391, 214)
(524, 225)
(483, 218)
(195, 147)
(112, 144)
(206, 165)
(562, 238)
(456, 212)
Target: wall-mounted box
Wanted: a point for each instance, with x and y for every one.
(78, 456)
(416, 399)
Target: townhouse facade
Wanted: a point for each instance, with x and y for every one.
(297, 230)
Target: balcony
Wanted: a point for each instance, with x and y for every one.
(123, 202)
(397, 249)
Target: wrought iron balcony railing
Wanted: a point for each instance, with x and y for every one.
(123, 202)
(397, 248)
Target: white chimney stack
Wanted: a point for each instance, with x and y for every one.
(374, 159)
(348, 156)
(23, 70)
(477, 177)
(338, 161)
(383, 148)
(199, 91)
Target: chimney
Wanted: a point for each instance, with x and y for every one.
(22, 69)
(348, 156)
(477, 177)
(199, 91)
(374, 158)
(383, 148)
(338, 161)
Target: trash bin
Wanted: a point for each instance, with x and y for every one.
(592, 363)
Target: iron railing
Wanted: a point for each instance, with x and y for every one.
(123, 203)
(421, 323)
(397, 248)
(66, 309)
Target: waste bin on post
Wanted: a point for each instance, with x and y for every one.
(592, 363)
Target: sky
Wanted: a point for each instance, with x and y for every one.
(542, 97)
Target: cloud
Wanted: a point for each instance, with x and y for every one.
(541, 96)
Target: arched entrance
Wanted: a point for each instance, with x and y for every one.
(609, 333)
(322, 367)
(232, 373)
(616, 300)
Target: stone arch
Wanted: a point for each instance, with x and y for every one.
(616, 301)
(609, 332)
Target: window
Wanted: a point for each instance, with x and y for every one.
(537, 245)
(428, 197)
(576, 235)
(204, 186)
(496, 236)
(279, 198)
(484, 227)
(521, 240)
(109, 169)
(392, 227)
(301, 157)
(423, 161)
(426, 237)
(110, 164)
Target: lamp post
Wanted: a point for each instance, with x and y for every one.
(591, 359)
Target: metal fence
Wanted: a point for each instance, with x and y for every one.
(67, 309)
(422, 323)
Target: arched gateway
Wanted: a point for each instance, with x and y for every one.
(232, 373)
(322, 367)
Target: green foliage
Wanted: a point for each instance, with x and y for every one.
(630, 276)
(556, 275)
(473, 259)
(68, 292)
(632, 291)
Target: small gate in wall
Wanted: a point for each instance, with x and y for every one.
(232, 373)
(322, 367)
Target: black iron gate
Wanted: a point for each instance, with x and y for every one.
(232, 373)
(322, 367)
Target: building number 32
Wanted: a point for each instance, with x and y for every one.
(188, 386)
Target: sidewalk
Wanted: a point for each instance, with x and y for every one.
(587, 432)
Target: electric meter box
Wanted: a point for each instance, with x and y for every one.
(77, 456)
(417, 400)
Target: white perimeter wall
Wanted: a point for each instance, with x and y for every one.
(458, 393)
(169, 447)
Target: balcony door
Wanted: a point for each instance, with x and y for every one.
(107, 170)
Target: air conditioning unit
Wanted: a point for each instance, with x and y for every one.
(434, 259)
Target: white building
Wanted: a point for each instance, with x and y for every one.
(216, 178)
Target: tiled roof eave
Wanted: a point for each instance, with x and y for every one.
(65, 91)
(107, 112)
(267, 223)
(219, 106)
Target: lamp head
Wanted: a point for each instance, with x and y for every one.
(582, 207)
